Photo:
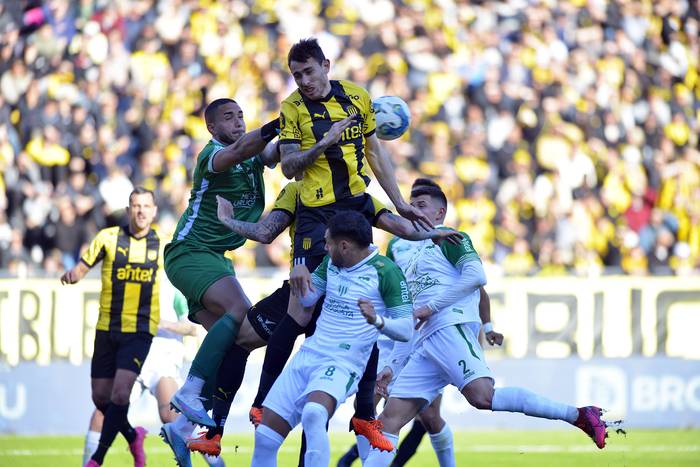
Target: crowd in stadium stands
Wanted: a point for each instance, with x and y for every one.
(565, 131)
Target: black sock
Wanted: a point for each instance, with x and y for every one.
(115, 418)
(409, 445)
(350, 456)
(128, 432)
(228, 381)
(279, 348)
(365, 388)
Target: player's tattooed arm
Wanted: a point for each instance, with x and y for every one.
(402, 227)
(263, 231)
(295, 161)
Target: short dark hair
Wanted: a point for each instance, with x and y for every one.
(139, 190)
(350, 225)
(425, 186)
(305, 49)
(210, 111)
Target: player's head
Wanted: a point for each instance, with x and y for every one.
(309, 67)
(224, 119)
(142, 208)
(348, 234)
(427, 196)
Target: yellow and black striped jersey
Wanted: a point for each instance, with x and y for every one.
(288, 199)
(340, 172)
(131, 268)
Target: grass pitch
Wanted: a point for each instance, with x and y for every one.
(571, 448)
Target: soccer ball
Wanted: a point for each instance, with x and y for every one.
(393, 117)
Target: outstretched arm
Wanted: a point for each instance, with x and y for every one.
(402, 227)
(245, 147)
(263, 231)
(383, 169)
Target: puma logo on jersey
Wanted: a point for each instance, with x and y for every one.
(122, 250)
(317, 115)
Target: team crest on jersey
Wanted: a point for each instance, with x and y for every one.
(306, 243)
(152, 255)
(342, 290)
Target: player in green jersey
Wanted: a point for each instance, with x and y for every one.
(195, 261)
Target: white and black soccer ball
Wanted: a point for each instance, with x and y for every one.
(393, 117)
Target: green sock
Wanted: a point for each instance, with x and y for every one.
(220, 337)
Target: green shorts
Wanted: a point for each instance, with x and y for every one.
(192, 268)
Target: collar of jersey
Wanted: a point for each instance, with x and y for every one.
(216, 141)
(374, 252)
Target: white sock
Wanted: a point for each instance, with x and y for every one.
(193, 386)
(524, 401)
(183, 427)
(214, 461)
(267, 443)
(318, 449)
(377, 458)
(444, 447)
(92, 440)
(363, 447)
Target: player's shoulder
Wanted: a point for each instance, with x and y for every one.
(353, 90)
(110, 231)
(383, 264)
(294, 99)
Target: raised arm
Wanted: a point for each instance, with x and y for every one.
(245, 147)
(383, 169)
(295, 161)
(263, 231)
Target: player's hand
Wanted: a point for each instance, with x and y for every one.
(70, 277)
(383, 379)
(450, 235)
(300, 281)
(413, 214)
(494, 338)
(367, 310)
(336, 131)
(224, 209)
(422, 314)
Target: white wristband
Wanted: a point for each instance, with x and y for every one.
(379, 322)
(488, 327)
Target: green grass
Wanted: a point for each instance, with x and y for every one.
(493, 448)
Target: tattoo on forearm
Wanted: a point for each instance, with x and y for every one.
(295, 165)
(264, 231)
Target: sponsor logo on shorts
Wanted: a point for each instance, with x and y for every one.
(344, 346)
(265, 323)
(138, 362)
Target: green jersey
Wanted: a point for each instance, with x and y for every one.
(242, 185)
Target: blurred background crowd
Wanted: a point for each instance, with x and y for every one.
(564, 131)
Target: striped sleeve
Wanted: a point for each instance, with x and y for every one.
(96, 250)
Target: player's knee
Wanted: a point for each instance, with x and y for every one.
(101, 401)
(432, 421)
(120, 396)
(166, 415)
(314, 417)
(480, 399)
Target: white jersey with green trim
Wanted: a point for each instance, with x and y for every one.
(342, 333)
(431, 270)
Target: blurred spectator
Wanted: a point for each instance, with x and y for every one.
(564, 133)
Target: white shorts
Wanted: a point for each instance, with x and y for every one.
(306, 373)
(451, 355)
(164, 360)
